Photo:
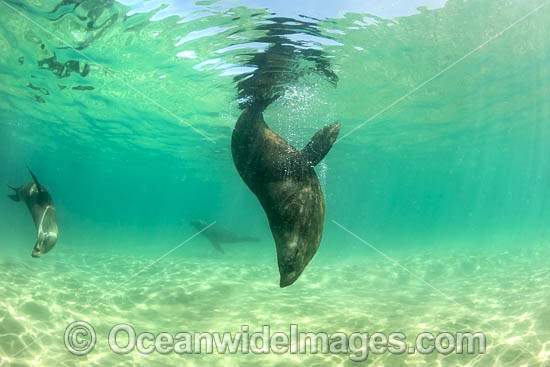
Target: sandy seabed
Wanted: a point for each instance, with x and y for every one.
(502, 293)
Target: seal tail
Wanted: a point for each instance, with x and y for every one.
(14, 197)
(320, 144)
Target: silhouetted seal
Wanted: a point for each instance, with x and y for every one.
(286, 185)
(41, 206)
(217, 235)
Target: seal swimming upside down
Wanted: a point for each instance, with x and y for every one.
(286, 185)
(41, 206)
(281, 176)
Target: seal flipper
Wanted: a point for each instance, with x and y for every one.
(14, 197)
(38, 186)
(217, 246)
(320, 144)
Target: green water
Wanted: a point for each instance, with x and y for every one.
(437, 214)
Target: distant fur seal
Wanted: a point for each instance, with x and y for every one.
(286, 185)
(41, 206)
(217, 235)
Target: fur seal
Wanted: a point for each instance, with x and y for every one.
(41, 206)
(217, 235)
(286, 185)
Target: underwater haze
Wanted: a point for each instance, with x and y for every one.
(437, 211)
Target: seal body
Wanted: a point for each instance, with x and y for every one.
(40, 205)
(284, 181)
(217, 236)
